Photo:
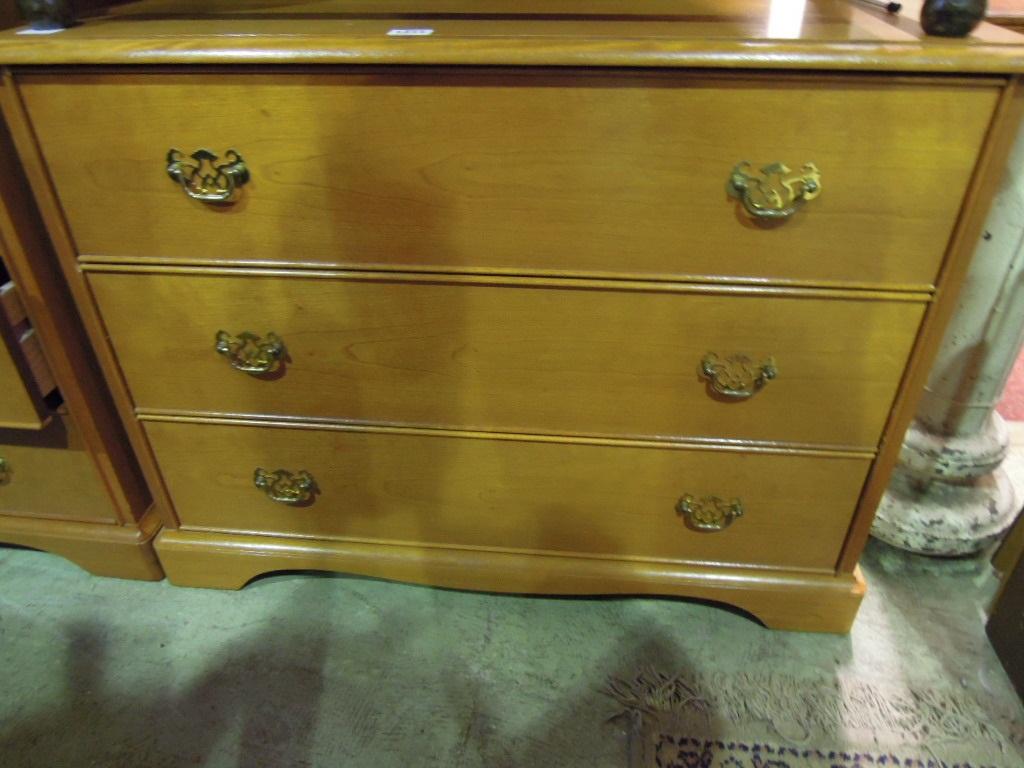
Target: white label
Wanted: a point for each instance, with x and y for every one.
(410, 32)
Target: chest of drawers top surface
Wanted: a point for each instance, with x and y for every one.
(790, 34)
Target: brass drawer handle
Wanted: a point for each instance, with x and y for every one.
(206, 180)
(778, 193)
(284, 486)
(5, 472)
(737, 376)
(709, 513)
(250, 353)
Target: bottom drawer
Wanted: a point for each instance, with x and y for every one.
(417, 487)
(49, 474)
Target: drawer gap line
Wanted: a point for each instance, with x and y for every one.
(674, 443)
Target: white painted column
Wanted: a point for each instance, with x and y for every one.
(954, 491)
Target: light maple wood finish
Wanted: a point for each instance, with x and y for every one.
(119, 551)
(829, 35)
(74, 488)
(744, 34)
(20, 406)
(420, 169)
(25, 376)
(29, 257)
(609, 500)
(112, 452)
(780, 599)
(546, 358)
(50, 475)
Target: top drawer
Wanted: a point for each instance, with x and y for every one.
(611, 173)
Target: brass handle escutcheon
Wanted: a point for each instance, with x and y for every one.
(250, 353)
(284, 486)
(709, 513)
(777, 193)
(737, 376)
(205, 179)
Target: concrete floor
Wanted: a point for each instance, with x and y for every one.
(325, 670)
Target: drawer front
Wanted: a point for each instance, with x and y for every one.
(518, 359)
(49, 474)
(25, 376)
(611, 173)
(594, 499)
(21, 406)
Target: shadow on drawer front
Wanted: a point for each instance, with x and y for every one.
(778, 510)
(49, 474)
(604, 173)
(511, 358)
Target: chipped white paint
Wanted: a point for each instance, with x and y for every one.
(957, 503)
(953, 491)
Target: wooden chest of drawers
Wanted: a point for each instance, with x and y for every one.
(561, 304)
(69, 483)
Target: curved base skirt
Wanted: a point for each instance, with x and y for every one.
(121, 551)
(802, 601)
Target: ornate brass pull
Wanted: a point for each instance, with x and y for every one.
(284, 486)
(737, 376)
(5, 472)
(709, 513)
(777, 193)
(205, 179)
(249, 353)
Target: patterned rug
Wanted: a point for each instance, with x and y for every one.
(749, 721)
(682, 752)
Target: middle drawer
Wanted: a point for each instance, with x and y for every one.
(518, 357)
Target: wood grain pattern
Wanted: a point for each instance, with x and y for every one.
(515, 239)
(781, 599)
(511, 359)
(825, 34)
(74, 487)
(120, 551)
(21, 406)
(610, 501)
(682, 444)
(420, 169)
(50, 475)
(41, 263)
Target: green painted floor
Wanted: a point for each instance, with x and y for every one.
(325, 670)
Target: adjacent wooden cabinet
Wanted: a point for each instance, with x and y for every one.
(570, 298)
(69, 482)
